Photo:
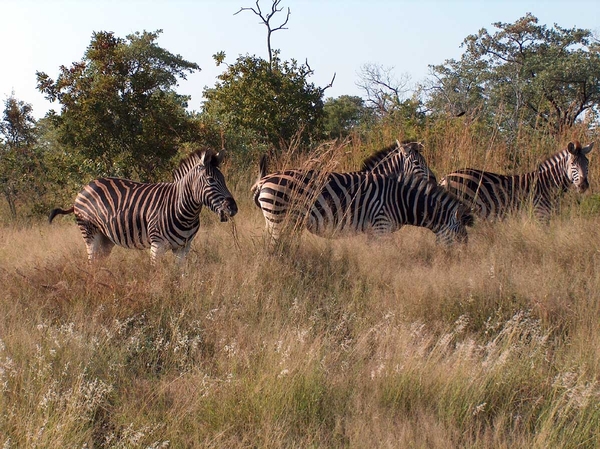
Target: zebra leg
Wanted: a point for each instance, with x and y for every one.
(273, 231)
(97, 244)
(542, 212)
(157, 249)
(181, 253)
(383, 225)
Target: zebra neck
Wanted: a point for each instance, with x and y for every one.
(186, 207)
(552, 174)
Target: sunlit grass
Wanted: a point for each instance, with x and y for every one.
(351, 342)
(357, 342)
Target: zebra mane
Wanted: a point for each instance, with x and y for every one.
(374, 159)
(386, 152)
(198, 157)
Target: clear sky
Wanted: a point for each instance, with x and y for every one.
(335, 36)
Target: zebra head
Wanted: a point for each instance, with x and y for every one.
(209, 186)
(577, 165)
(452, 216)
(455, 231)
(413, 161)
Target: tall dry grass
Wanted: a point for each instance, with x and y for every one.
(355, 342)
(336, 343)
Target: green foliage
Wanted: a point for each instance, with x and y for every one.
(343, 115)
(271, 104)
(524, 73)
(458, 87)
(120, 111)
(409, 116)
(19, 158)
(17, 128)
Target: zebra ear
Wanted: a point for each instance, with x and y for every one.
(401, 147)
(219, 157)
(206, 157)
(571, 148)
(586, 150)
(212, 158)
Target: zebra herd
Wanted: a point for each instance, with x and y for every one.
(394, 187)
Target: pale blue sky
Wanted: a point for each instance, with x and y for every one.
(335, 36)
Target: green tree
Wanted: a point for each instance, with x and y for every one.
(344, 114)
(19, 161)
(457, 87)
(273, 103)
(527, 73)
(119, 107)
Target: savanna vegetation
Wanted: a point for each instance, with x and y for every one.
(357, 342)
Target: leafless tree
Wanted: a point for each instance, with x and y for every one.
(266, 20)
(382, 89)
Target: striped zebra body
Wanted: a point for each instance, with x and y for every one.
(337, 204)
(399, 159)
(160, 216)
(494, 196)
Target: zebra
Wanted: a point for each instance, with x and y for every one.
(399, 159)
(336, 204)
(493, 196)
(159, 216)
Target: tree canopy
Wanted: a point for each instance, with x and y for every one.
(274, 101)
(18, 158)
(522, 73)
(119, 110)
(344, 114)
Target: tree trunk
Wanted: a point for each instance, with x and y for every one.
(11, 204)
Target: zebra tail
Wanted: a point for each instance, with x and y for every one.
(262, 172)
(59, 211)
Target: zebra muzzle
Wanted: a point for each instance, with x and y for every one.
(228, 209)
(583, 186)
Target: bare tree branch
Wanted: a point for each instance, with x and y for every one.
(382, 89)
(266, 20)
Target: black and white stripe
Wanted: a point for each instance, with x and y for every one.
(335, 204)
(494, 196)
(399, 159)
(160, 216)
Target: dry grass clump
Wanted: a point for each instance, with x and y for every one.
(356, 342)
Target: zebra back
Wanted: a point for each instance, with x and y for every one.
(399, 159)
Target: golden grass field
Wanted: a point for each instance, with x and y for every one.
(356, 343)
